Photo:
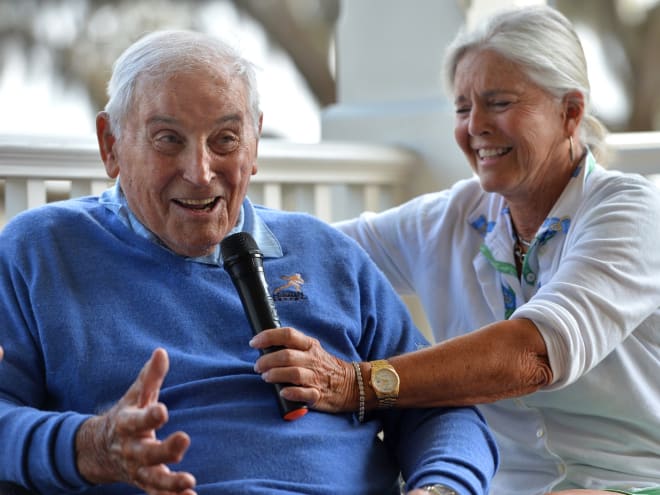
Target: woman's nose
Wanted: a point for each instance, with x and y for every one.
(477, 122)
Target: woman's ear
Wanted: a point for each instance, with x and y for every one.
(107, 141)
(573, 111)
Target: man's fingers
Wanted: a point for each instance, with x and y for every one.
(134, 422)
(146, 388)
(161, 480)
(176, 446)
(152, 377)
(152, 452)
(125, 437)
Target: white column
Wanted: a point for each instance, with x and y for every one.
(389, 87)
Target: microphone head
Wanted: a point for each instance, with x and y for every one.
(238, 244)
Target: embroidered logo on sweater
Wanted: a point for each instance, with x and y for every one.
(291, 290)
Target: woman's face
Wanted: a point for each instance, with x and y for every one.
(512, 132)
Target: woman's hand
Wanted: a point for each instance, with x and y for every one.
(319, 379)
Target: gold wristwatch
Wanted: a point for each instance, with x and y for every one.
(385, 382)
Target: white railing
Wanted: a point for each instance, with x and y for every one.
(329, 180)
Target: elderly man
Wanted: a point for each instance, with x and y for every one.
(91, 288)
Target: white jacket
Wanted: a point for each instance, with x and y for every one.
(591, 284)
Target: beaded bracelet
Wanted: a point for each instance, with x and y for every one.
(358, 375)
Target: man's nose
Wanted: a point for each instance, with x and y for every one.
(197, 167)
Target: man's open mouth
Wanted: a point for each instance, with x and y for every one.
(198, 204)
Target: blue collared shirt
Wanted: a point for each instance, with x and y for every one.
(248, 221)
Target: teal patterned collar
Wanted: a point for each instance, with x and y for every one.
(493, 221)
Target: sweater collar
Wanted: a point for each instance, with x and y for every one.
(248, 221)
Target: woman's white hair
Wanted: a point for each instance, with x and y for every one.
(544, 44)
(163, 53)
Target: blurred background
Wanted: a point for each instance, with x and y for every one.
(56, 56)
(350, 89)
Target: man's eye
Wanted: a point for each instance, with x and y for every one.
(463, 110)
(501, 103)
(225, 143)
(167, 142)
(168, 138)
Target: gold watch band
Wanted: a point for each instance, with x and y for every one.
(385, 383)
(387, 402)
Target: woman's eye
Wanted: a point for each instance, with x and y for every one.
(501, 103)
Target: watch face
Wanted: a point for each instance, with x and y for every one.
(439, 490)
(385, 380)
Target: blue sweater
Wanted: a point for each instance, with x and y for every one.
(84, 301)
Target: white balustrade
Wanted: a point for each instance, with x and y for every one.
(332, 180)
(637, 152)
(329, 180)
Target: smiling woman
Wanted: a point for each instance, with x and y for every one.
(506, 125)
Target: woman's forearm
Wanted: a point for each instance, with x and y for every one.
(502, 360)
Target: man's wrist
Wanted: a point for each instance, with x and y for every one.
(91, 462)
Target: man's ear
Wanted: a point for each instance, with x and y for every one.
(107, 141)
(255, 166)
(573, 111)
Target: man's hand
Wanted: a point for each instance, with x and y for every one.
(318, 378)
(121, 445)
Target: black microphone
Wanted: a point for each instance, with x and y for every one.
(244, 262)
